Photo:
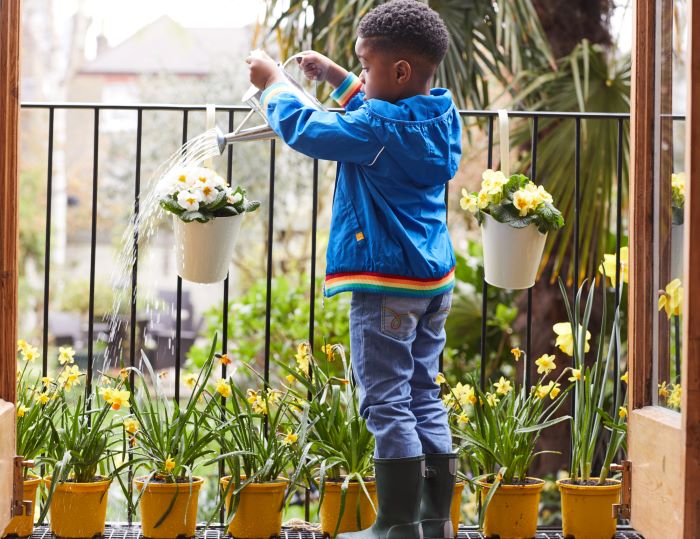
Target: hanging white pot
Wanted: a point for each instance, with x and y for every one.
(511, 255)
(203, 251)
(677, 237)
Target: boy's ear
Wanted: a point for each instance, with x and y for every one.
(402, 70)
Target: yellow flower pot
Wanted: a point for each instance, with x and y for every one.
(586, 510)
(512, 512)
(181, 498)
(330, 508)
(79, 509)
(259, 513)
(24, 526)
(456, 508)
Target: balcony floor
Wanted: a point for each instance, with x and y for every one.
(122, 531)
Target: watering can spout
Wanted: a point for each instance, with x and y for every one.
(261, 132)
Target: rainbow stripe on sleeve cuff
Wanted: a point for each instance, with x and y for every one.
(347, 90)
(271, 91)
(388, 284)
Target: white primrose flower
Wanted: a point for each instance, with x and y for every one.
(189, 200)
(208, 191)
(201, 176)
(219, 181)
(234, 198)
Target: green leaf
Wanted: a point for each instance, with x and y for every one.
(190, 216)
(168, 204)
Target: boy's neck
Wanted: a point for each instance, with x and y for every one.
(418, 89)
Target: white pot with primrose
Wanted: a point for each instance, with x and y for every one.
(207, 216)
(515, 217)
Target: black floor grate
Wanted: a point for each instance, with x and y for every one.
(117, 531)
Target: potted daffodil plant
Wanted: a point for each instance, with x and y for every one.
(207, 215)
(342, 446)
(498, 431)
(587, 496)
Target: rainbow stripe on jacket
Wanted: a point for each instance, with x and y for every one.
(388, 284)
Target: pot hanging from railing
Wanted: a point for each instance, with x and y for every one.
(511, 255)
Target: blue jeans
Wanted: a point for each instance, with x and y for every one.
(395, 345)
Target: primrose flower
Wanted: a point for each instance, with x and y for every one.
(223, 388)
(545, 364)
(189, 200)
(234, 198)
(523, 201)
(482, 199)
(565, 338)
(503, 386)
(469, 202)
(209, 193)
(671, 299)
(608, 265)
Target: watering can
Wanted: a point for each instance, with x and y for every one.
(252, 99)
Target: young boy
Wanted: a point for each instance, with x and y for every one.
(397, 146)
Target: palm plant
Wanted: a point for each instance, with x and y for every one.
(490, 39)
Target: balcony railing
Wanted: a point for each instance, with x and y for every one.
(621, 121)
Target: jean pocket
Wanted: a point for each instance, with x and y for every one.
(436, 319)
(400, 316)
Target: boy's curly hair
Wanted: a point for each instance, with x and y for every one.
(407, 25)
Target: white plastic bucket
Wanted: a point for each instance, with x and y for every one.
(677, 237)
(511, 255)
(203, 251)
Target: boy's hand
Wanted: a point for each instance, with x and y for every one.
(318, 67)
(263, 70)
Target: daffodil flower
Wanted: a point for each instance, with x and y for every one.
(622, 412)
(674, 399)
(575, 375)
(503, 386)
(131, 425)
(328, 350)
(169, 464)
(440, 379)
(545, 364)
(517, 352)
(671, 299)
(608, 266)
(22, 409)
(625, 377)
(291, 438)
(492, 399)
(190, 379)
(291, 378)
(663, 390)
(223, 388)
(565, 338)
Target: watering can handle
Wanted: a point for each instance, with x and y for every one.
(504, 137)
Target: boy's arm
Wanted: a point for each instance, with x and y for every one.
(348, 94)
(316, 66)
(319, 134)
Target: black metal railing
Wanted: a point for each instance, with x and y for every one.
(621, 120)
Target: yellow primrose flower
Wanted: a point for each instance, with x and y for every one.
(223, 388)
(517, 352)
(440, 379)
(169, 464)
(503, 386)
(131, 425)
(43, 398)
(608, 265)
(575, 375)
(672, 298)
(523, 201)
(291, 438)
(674, 398)
(21, 410)
(625, 377)
(494, 176)
(328, 350)
(663, 390)
(65, 355)
(545, 364)
(482, 199)
(543, 195)
(492, 399)
(565, 338)
(190, 379)
(469, 202)
(622, 412)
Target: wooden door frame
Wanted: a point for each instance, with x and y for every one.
(9, 156)
(660, 430)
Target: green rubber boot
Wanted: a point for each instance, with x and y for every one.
(438, 489)
(399, 486)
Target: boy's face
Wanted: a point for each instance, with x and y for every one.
(383, 76)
